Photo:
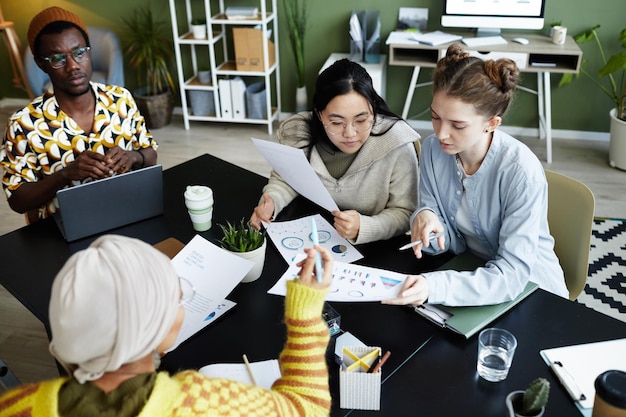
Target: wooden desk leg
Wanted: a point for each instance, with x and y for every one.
(409, 94)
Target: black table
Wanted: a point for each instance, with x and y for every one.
(430, 372)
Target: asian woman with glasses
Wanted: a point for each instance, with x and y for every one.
(362, 152)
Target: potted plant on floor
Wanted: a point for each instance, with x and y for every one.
(149, 50)
(247, 242)
(296, 14)
(529, 403)
(611, 79)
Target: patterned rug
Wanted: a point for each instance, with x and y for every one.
(606, 284)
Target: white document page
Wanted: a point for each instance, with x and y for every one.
(291, 164)
(352, 283)
(265, 372)
(586, 361)
(214, 273)
(293, 236)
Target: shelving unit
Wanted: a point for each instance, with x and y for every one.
(219, 48)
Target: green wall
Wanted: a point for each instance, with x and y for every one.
(579, 106)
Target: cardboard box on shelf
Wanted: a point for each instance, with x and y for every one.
(248, 44)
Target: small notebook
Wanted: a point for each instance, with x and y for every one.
(467, 321)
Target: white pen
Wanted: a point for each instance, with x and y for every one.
(567, 381)
(431, 236)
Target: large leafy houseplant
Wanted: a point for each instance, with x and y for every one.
(149, 50)
(613, 69)
(296, 15)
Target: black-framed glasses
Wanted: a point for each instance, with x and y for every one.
(360, 125)
(187, 291)
(57, 61)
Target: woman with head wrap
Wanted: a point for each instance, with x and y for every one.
(118, 303)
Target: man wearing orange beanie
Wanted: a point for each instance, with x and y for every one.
(81, 132)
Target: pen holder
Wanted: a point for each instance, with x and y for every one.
(359, 389)
(372, 52)
(356, 51)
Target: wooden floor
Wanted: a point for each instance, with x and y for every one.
(23, 341)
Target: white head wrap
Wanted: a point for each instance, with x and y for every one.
(111, 304)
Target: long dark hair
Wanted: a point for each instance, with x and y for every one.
(343, 77)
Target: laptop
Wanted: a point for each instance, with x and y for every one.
(98, 206)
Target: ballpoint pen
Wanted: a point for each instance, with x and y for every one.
(249, 369)
(431, 236)
(318, 257)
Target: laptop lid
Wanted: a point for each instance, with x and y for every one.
(102, 205)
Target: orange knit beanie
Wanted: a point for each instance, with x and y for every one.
(47, 16)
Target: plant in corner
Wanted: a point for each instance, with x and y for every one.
(149, 50)
(247, 242)
(296, 12)
(613, 67)
(532, 401)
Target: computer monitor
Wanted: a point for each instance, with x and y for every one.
(489, 16)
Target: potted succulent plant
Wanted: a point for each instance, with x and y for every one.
(611, 79)
(247, 242)
(531, 402)
(149, 50)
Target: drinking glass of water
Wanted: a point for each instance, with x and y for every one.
(496, 348)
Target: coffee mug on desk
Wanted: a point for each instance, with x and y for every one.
(559, 33)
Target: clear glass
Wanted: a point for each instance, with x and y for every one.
(362, 124)
(57, 61)
(496, 348)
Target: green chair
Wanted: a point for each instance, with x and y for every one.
(571, 207)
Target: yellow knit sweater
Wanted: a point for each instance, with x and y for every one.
(301, 391)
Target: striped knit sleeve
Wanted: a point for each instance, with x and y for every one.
(304, 382)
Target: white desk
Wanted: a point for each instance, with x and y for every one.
(377, 71)
(540, 56)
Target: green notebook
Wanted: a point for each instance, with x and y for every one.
(467, 321)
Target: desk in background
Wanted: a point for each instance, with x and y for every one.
(430, 371)
(540, 56)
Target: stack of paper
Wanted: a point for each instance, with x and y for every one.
(435, 38)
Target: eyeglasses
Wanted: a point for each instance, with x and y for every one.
(57, 61)
(360, 125)
(187, 291)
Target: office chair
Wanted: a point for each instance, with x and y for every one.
(106, 62)
(571, 207)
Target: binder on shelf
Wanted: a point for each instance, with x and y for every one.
(577, 367)
(225, 98)
(238, 98)
(469, 320)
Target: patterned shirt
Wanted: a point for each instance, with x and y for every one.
(41, 139)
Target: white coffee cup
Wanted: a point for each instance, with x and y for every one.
(559, 33)
(199, 202)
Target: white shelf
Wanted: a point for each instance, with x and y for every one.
(216, 46)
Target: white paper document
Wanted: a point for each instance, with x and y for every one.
(291, 164)
(352, 283)
(214, 273)
(293, 236)
(265, 372)
(579, 365)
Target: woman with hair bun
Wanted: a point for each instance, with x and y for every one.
(482, 189)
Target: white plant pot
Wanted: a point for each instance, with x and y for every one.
(258, 257)
(301, 99)
(617, 146)
(509, 404)
(198, 31)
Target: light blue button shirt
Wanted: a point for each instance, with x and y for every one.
(507, 199)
